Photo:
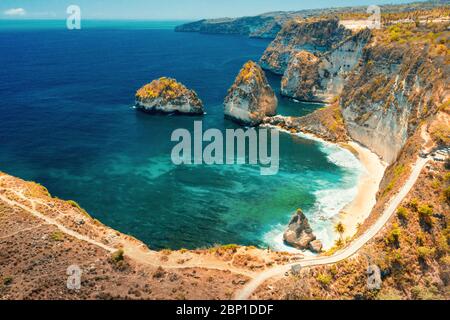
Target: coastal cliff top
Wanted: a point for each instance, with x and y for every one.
(41, 236)
(251, 71)
(165, 88)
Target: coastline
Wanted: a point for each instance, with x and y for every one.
(361, 206)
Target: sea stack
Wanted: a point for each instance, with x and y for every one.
(299, 234)
(251, 98)
(166, 95)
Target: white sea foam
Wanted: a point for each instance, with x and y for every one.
(329, 200)
(274, 239)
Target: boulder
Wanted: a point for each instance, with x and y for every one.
(316, 246)
(166, 95)
(251, 98)
(299, 234)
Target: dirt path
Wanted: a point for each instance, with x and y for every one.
(136, 251)
(61, 227)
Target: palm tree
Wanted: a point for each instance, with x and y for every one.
(339, 228)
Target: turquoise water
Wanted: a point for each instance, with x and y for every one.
(67, 122)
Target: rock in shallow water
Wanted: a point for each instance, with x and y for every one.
(316, 246)
(251, 98)
(166, 95)
(299, 234)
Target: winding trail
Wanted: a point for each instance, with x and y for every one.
(348, 251)
(137, 252)
(61, 227)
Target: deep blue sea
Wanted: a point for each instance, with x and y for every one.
(67, 121)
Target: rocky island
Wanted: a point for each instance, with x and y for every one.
(251, 98)
(300, 235)
(166, 95)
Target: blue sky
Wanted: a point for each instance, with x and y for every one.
(164, 9)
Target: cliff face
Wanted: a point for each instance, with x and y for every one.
(297, 35)
(387, 80)
(166, 95)
(321, 79)
(263, 26)
(391, 92)
(301, 78)
(251, 98)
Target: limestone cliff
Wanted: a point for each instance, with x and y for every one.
(251, 98)
(314, 35)
(387, 82)
(311, 78)
(397, 85)
(166, 95)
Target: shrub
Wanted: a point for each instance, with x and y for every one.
(159, 273)
(74, 204)
(414, 204)
(447, 176)
(402, 213)
(445, 260)
(425, 252)
(420, 238)
(57, 236)
(394, 236)
(324, 279)
(117, 256)
(425, 211)
(7, 281)
(395, 257)
(447, 194)
(442, 244)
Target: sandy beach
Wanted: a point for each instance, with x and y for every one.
(356, 211)
(361, 206)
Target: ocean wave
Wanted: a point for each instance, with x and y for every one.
(341, 157)
(331, 198)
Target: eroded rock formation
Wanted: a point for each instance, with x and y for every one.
(166, 95)
(396, 86)
(318, 35)
(299, 234)
(251, 98)
(311, 78)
